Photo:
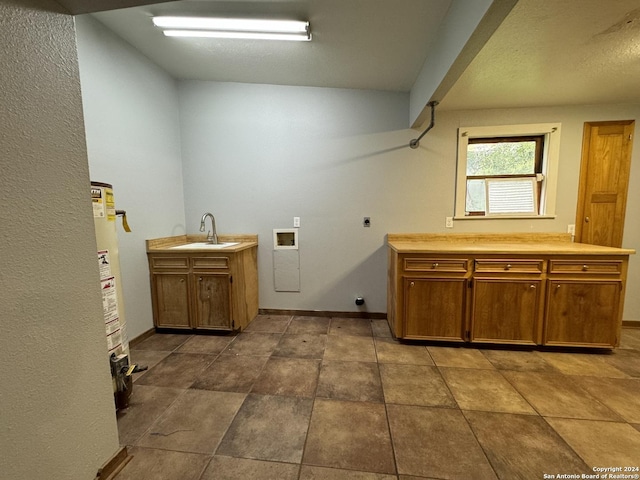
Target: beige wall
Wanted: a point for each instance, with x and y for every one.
(57, 413)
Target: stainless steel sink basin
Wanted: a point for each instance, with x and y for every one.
(204, 246)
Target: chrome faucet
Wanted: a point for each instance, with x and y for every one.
(212, 237)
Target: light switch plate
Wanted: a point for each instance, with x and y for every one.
(296, 222)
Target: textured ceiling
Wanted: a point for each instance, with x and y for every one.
(370, 44)
(556, 52)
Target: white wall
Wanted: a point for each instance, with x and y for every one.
(133, 142)
(57, 413)
(572, 119)
(257, 155)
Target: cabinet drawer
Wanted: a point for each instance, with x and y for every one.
(598, 267)
(169, 262)
(509, 265)
(210, 262)
(460, 265)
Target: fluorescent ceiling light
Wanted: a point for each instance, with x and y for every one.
(234, 28)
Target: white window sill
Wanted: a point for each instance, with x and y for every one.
(506, 217)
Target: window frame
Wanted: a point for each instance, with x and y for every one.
(547, 176)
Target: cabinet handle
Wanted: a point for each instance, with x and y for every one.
(200, 279)
(557, 287)
(435, 265)
(532, 286)
(508, 267)
(182, 280)
(585, 268)
(412, 284)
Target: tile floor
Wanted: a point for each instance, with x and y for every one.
(314, 398)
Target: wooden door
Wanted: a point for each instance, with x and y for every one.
(435, 308)
(213, 301)
(506, 310)
(604, 180)
(171, 300)
(582, 313)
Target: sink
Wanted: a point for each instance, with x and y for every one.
(204, 246)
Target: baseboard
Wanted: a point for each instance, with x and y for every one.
(631, 323)
(113, 466)
(322, 313)
(141, 338)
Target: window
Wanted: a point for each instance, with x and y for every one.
(507, 171)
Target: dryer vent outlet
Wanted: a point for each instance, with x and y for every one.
(359, 301)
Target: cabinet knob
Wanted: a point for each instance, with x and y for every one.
(182, 280)
(557, 287)
(585, 268)
(532, 286)
(200, 279)
(586, 219)
(412, 284)
(508, 267)
(435, 265)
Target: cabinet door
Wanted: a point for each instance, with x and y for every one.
(171, 300)
(582, 313)
(435, 308)
(505, 310)
(213, 301)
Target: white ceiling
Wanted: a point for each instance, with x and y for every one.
(546, 52)
(556, 52)
(369, 44)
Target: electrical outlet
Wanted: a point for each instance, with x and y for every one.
(296, 222)
(448, 222)
(571, 229)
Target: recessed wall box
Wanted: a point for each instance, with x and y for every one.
(285, 239)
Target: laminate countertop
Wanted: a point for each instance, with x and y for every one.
(534, 243)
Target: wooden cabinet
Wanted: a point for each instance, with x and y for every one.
(584, 302)
(529, 290)
(196, 290)
(506, 300)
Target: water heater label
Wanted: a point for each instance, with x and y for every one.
(98, 202)
(104, 263)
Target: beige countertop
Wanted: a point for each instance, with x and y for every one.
(543, 244)
(165, 244)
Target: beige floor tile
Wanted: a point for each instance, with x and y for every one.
(309, 325)
(308, 472)
(350, 348)
(350, 326)
(586, 364)
(622, 395)
(349, 435)
(627, 361)
(269, 427)
(356, 381)
(600, 444)
(415, 385)
(163, 342)
(392, 351)
(630, 338)
(151, 464)
(380, 328)
(436, 442)
(147, 358)
(146, 404)
(459, 357)
(288, 376)
(195, 422)
(231, 373)
(523, 446)
(269, 324)
(307, 345)
(229, 468)
(260, 344)
(177, 370)
(485, 390)
(558, 396)
(208, 344)
(518, 360)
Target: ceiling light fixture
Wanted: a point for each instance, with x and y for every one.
(234, 28)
